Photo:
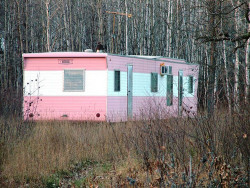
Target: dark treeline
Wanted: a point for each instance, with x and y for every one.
(213, 33)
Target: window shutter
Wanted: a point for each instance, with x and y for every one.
(190, 84)
(154, 82)
(169, 90)
(117, 80)
(169, 69)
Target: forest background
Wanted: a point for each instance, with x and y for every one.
(213, 33)
(208, 150)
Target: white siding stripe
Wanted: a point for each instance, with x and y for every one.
(142, 85)
(51, 84)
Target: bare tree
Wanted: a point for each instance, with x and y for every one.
(213, 33)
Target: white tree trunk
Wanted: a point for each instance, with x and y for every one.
(48, 25)
(227, 78)
(169, 32)
(237, 61)
(126, 6)
(247, 68)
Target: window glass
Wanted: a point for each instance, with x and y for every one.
(169, 90)
(73, 80)
(154, 82)
(117, 80)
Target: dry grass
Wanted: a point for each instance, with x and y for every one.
(52, 146)
(155, 152)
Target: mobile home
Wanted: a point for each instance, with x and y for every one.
(107, 87)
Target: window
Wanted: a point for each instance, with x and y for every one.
(165, 70)
(190, 84)
(169, 90)
(74, 80)
(117, 80)
(169, 69)
(154, 82)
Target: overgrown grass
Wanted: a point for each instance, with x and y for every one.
(177, 151)
(52, 146)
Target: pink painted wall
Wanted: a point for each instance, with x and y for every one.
(153, 107)
(47, 63)
(145, 107)
(141, 65)
(116, 109)
(76, 108)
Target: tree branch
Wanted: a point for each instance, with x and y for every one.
(244, 36)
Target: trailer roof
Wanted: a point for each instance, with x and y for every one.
(94, 54)
(65, 54)
(160, 58)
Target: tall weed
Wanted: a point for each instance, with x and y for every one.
(188, 151)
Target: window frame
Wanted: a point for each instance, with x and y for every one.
(117, 70)
(83, 77)
(154, 90)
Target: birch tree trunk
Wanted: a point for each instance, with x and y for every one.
(18, 73)
(237, 62)
(145, 51)
(66, 26)
(70, 26)
(247, 72)
(177, 28)
(19, 26)
(126, 7)
(227, 91)
(247, 67)
(47, 3)
(26, 26)
(169, 31)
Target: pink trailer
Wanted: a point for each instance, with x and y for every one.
(107, 87)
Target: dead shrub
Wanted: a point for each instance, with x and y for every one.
(188, 151)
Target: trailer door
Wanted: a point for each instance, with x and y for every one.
(130, 92)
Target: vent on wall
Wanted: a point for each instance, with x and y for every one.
(66, 61)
